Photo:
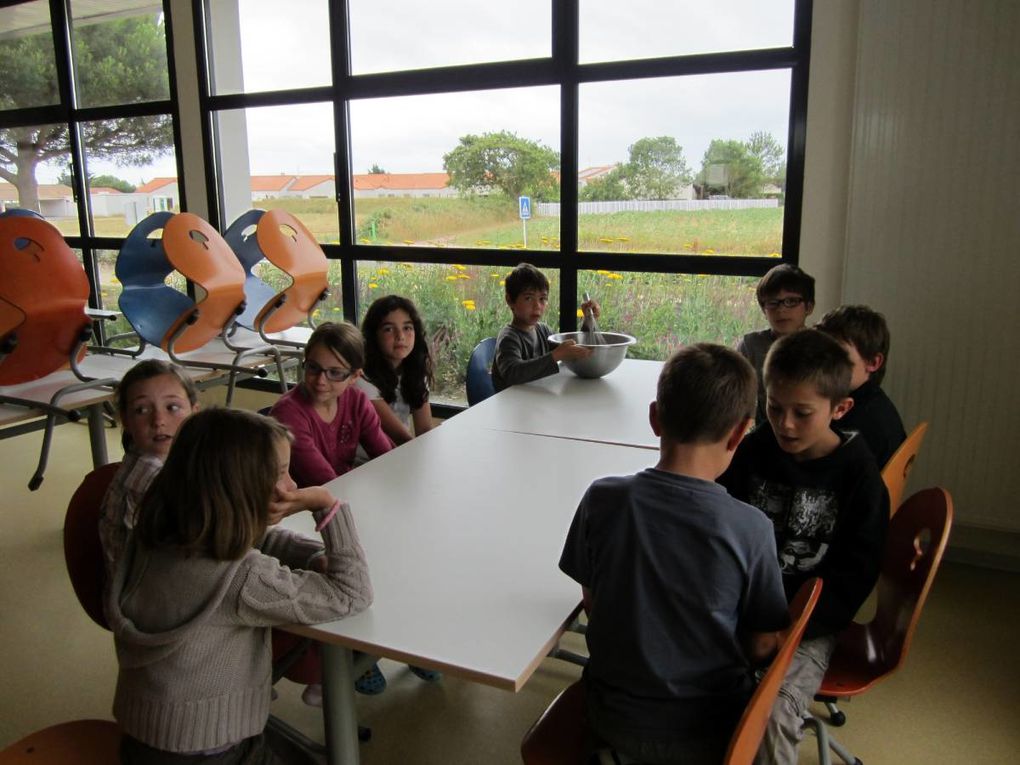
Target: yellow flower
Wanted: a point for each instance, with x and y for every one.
(459, 267)
(688, 246)
(469, 307)
(614, 276)
(383, 271)
(451, 278)
(580, 313)
(496, 276)
(363, 240)
(775, 255)
(502, 284)
(482, 243)
(408, 266)
(467, 303)
(463, 276)
(605, 240)
(316, 312)
(373, 286)
(408, 241)
(623, 238)
(336, 309)
(709, 251)
(602, 272)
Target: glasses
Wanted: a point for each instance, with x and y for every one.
(786, 302)
(333, 374)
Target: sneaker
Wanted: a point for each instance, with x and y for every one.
(312, 695)
(372, 683)
(428, 675)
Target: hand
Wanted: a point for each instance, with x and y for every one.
(596, 310)
(569, 349)
(286, 503)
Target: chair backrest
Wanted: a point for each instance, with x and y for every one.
(83, 551)
(83, 742)
(559, 736)
(258, 295)
(748, 734)
(43, 294)
(898, 468)
(292, 248)
(479, 371)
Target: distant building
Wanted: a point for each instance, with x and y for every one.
(403, 185)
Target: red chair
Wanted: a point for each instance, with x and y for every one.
(83, 742)
(868, 653)
(560, 736)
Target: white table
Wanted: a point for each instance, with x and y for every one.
(463, 528)
(611, 409)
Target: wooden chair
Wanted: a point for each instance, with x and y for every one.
(83, 742)
(868, 653)
(560, 735)
(898, 468)
(479, 374)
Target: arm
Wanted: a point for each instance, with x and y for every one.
(308, 463)
(287, 503)
(514, 368)
(371, 437)
(391, 424)
(421, 418)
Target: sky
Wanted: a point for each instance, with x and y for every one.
(286, 46)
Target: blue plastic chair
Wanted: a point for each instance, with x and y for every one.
(479, 374)
(240, 235)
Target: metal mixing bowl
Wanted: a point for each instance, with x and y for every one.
(604, 358)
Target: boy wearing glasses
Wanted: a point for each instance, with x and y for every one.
(326, 412)
(786, 296)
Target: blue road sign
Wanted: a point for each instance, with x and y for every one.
(525, 204)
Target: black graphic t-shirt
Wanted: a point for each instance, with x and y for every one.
(829, 515)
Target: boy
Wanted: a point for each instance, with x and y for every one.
(864, 335)
(828, 506)
(786, 296)
(679, 580)
(523, 353)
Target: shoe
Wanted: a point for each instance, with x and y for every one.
(312, 695)
(428, 675)
(372, 683)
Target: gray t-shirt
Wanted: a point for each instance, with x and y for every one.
(522, 356)
(754, 346)
(678, 572)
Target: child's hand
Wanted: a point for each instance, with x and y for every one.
(286, 503)
(596, 311)
(569, 349)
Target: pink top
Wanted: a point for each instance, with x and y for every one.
(324, 450)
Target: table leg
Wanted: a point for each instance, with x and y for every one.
(338, 708)
(97, 435)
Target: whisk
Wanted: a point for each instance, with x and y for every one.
(590, 334)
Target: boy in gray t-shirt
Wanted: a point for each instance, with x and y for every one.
(680, 581)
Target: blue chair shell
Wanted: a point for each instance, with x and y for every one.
(479, 376)
(240, 235)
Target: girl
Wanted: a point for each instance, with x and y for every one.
(328, 415)
(153, 399)
(398, 367)
(193, 597)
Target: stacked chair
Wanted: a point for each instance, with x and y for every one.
(281, 239)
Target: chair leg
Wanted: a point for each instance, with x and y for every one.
(826, 742)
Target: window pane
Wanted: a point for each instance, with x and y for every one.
(460, 305)
(257, 45)
(667, 311)
(119, 52)
(684, 164)
(611, 30)
(26, 57)
(131, 167)
(457, 181)
(409, 34)
(265, 166)
(39, 159)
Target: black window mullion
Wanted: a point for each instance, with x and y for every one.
(797, 138)
(210, 134)
(566, 36)
(340, 51)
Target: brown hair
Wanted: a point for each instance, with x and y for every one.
(813, 357)
(864, 329)
(212, 496)
(146, 370)
(785, 276)
(525, 277)
(704, 391)
(343, 339)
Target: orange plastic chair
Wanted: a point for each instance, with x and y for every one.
(83, 742)
(898, 468)
(868, 653)
(560, 735)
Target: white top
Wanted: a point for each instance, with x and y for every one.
(462, 537)
(400, 407)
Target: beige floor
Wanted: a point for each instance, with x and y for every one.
(957, 701)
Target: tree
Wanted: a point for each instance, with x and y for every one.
(610, 187)
(729, 168)
(656, 168)
(770, 153)
(117, 62)
(503, 161)
(97, 181)
(376, 170)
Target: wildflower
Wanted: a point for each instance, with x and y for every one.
(469, 303)
(383, 271)
(336, 309)
(580, 313)
(623, 238)
(408, 241)
(688, 246)
(775, 255)
(709, 251)
(602, 272)
(408, 266)
(614, 276)
(463, 276)
(373, 286)
(459, 267)
(365, 240)
(469, 307)
(605, 240)
(451, 278)
(496, 275)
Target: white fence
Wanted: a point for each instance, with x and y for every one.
(552, 209)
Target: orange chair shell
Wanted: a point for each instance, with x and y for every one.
(82, 742)
(897, 469)
(290, 246)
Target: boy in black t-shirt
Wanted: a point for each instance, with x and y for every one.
(679, 579)
(829, 509)
(864, 335)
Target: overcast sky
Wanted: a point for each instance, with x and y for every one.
(286, 46)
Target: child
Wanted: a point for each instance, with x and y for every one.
(327, 414)
(679, 580)
(786, 296)
(864, 335)
(153, 399)
(398, 368)
(523, 353)
(202, 580)
(828, 506)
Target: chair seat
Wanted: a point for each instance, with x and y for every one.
(856, 664)
(83, 742)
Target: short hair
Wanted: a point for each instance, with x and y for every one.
(146, 370)
(787, 277)
(704, 391)
(810, 356)
(343, 339)
(525, 277)
(211, 497)
(416, 373)
(863, 328)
